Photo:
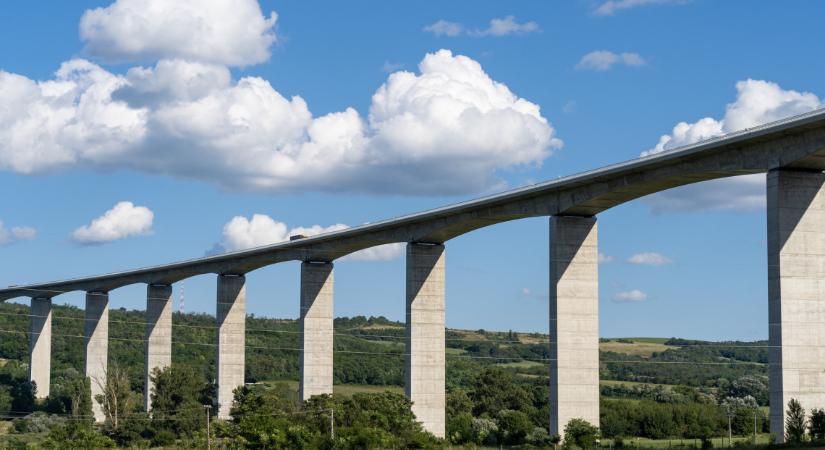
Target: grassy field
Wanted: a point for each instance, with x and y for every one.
(345, 389)
(718, 442)
(633, 383)
(644, 347)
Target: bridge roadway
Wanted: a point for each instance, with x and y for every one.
(790, 151)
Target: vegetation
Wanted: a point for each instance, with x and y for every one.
(498, 389)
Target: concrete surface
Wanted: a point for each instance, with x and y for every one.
(97, 346)
(796, 292)
(231, 322)
(316, 328)
(40, 345)
(574, 321)
(158, 346)
(425, 359)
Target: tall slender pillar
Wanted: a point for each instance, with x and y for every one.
(158, 347)
(231, 321)
(574, 321)
(796, 292)
(316, 329)
(40, 345)
(97, 346)
(425, 356)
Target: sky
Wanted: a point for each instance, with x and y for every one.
(140, 132)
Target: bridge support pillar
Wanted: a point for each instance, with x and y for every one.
(574, 321)
(425, 357)
(231, 322)
(97, 346)
(796, 292)
(40, 345)
(316, 329)
(158, 334)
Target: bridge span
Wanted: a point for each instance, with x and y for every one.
(791, 152)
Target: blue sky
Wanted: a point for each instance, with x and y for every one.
(609, 82)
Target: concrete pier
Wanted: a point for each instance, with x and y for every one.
(796, 292)
(40, 345)
(97, 346)
(425, 360)
(574, 321)
(158, 346)
(316, 329)
(231, 323)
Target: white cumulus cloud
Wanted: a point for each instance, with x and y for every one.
(241, 233)
(601, 60)
(122, 221)
(231, 32)
(447, 129)
(757, 102)
(445, 28)
(17, 233)
(649, 259)
(610, 7)
(634, 295)
(605, 259)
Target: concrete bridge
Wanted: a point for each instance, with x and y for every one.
(791, 152)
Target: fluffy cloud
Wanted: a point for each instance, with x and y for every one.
(610, 7)
(445, 130)
(757, 102)
(649, 259)
(605, 259)
(634, 295)
(7, 236)
(241, 233)
(601, 60)
(231, 32)
(504, 26)
(122, 221)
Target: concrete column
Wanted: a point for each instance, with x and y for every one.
(425, 335)
(574, 321)
(796, 292)
(158, 345)
(40, 345)
(231, 322)
(316, 329)
(97, 346)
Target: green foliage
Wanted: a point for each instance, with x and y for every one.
(817, 425)
(795, 422)
(70, 394)
(513, 427)
(580, 433)
(78, 435)
(177, 400)
(656, 420)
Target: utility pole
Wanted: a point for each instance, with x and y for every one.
(730, 430)
(208, 409)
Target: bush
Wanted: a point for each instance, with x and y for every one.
(513, 427)
(580, 433)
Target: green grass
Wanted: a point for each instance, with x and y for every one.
(634, 383)
(521, 364)
(718, 442)
(344, 389)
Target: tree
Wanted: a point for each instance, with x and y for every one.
(817, 425)
(580, 433)
(117, 399)
(513, 427)
(795, 422)
(177, 400)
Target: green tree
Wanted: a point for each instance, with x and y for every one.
(795, 422)
(580, 433)
(817, 425)
(513, 427)
(117, 399)
(177, 400)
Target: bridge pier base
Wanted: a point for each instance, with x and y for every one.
(231, 322)
(796, 292)
(574, 321)
(158, 334)
(425, 355)
(97, 346)
(40, 345)
(316, 329)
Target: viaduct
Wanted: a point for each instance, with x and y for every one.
(791, 152)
